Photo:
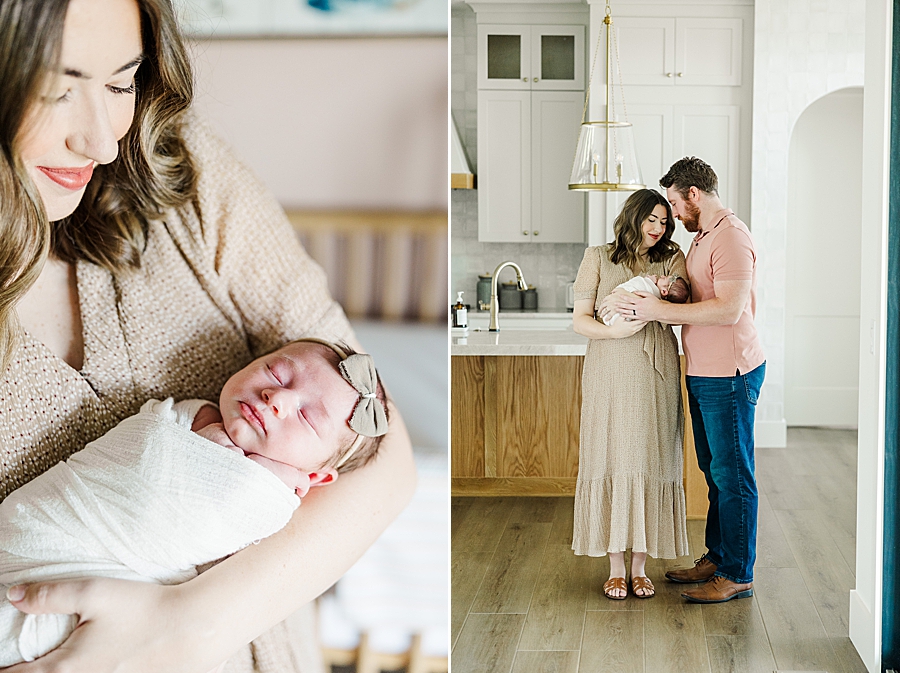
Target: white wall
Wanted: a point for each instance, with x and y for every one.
(333, 124)
(823, 262)
(865, 600)
(804, 49)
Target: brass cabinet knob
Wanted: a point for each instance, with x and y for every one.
(668, 74)
(536, 233)
(524, 79)
(535, 79)
(524, 233)
(681, 74)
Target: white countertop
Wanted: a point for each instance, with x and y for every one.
(520, 342)
(522, 334)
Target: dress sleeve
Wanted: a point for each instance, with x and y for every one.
(588, 278)
(272, 287)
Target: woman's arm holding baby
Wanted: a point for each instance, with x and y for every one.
(132, 627)
(584, 323)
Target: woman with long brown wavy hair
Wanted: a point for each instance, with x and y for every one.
(139, 259)
(629, 493)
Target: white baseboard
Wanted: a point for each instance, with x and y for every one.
(771, 434)
(862, 633)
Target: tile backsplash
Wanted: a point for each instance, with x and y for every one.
(547, 266)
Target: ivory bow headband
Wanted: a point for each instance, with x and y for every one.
(369, 418)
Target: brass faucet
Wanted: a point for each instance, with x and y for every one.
(494, 327)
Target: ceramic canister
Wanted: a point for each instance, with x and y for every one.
(483, 291)
(510, 297)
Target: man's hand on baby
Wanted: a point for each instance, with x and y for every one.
(640, 306)
(608, 305)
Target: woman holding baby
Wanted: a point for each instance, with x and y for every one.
(139, 259)
(629, 493)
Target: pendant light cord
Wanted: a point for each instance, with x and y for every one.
(587, 93)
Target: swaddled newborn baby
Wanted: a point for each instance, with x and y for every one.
(183, 484)
(671, 288)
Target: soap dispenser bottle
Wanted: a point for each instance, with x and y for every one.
(460, 318)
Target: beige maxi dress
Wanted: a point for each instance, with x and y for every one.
(629, 493)
(207, 299)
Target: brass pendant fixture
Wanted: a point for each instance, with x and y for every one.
(605, 157)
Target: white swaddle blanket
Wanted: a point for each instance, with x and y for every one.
(150, 501)
(636, 284)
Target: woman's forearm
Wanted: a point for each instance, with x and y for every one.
(260, 586)
(588, 326)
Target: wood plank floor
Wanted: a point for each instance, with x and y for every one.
(522, 602)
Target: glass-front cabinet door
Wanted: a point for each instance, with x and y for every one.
(557, 58)
(531, 57)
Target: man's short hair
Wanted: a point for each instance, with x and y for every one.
(691, 172)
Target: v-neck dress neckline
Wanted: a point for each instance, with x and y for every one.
(105, 367)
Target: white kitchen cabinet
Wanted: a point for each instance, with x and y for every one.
(690, 51)
(529, 57)
(665, 133)
(526, 145)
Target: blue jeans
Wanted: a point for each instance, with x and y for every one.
(722, 415)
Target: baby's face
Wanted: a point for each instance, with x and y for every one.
(662, 283)
(291, 406)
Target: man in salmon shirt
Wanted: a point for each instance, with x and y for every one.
(725, 371)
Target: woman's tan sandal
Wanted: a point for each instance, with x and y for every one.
(611, 585)
(642, 583)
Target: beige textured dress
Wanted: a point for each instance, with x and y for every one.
(629, 493)
(206, 300)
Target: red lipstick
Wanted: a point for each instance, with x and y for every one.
(70, 178)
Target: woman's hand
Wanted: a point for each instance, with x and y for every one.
(621, 328)
(124, 627)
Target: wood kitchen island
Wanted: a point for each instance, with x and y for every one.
(515, 416)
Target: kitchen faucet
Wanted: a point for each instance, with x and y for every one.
(494, 326)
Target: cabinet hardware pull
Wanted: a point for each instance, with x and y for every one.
(668, 74)
(681, 74)
(536, 233)
(524, 233)
(535, 79)
(524, 79)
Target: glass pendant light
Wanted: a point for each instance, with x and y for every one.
(605, 157)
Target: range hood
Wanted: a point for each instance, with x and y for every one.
(461, 176)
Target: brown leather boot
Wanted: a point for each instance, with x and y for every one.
(718, 590)
(703, 569)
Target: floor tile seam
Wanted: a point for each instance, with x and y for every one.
(512, 663)
(762, 620)
(581, 649)
(821, 624)
(553, 650)
(534, 586)
(498, 613)
(480, 585)
(488, 564)
(802, 567)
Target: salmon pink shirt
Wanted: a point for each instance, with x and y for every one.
(724, 251)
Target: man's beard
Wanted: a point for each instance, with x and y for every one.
(691, 217)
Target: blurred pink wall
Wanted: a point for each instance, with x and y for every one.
(333, 124)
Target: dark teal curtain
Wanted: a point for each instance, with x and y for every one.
(890, 643)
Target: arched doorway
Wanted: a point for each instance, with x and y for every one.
(822, 296)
